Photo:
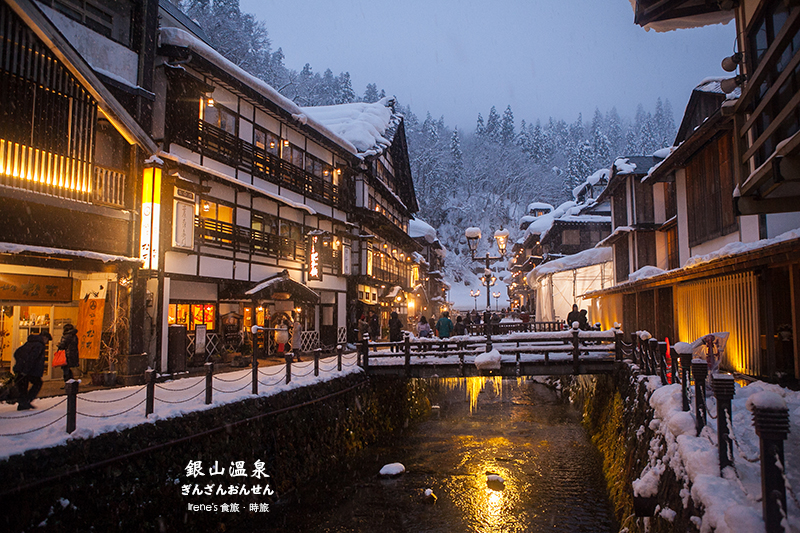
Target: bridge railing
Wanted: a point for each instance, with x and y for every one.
(502, 328)
(602, 345)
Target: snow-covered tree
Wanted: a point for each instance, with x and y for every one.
(507, 127)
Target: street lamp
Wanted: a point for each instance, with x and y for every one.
(496, 301)
(473, 235)
(475, 294)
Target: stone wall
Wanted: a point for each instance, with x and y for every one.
(87, 485)
(620, 422)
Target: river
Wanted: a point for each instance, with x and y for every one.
(520, 430)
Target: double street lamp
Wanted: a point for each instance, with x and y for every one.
(496, 301)
(475, 294)
(473, 236)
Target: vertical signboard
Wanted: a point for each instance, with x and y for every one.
(151, 216)
(90, 317)
(314, 271)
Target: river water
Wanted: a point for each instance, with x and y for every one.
(520, 430)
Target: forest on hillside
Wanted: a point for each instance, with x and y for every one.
(484, 177)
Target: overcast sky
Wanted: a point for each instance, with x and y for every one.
(458, 58)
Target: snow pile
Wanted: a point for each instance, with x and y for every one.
(592, 256)
(539, 206)
(729, 503)
(419, 228)
(392, 470)
(13, 248)
(488, 360)
(473, 233)
(645, 272)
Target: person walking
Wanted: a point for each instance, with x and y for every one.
(460, 328)
(363, 328)
(583, 323)
(69, 343)
(423, 328)
(297, 341)
(374, 326)
(444, 328)
(573, 316)
(395, 330)
(29, 368)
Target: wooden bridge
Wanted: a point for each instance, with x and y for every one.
(522, 354)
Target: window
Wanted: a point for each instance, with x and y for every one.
(267, 141)
(571, 237)
(263, 226)
(709, 192)
(319, 168)
(110, 18)
(194, 313)
(216, 221)
(218, 116)
(292, 153)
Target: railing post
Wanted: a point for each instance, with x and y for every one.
(652, 353)
(339, 357)
(254, 368)
(71, 388)
(684, 350)
(365, 353)
(576, 350)
(209, 379)
(288, 359)
(673, 355)
(316, 362)
(662, 362)
(150, 380)
(771, 421)
(618, 345)
(699, 373)
(407, 348)
(724, 389)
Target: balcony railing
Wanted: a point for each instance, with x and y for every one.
(31, 169)
(218, 144)
(242, 239)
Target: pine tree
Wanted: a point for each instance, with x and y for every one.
(371, 94)
(480, 127)
(346, 94)
(493, 124)
(578, 168)
(614, 133)
(507, 127)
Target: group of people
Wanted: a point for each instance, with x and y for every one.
(282, 337)
(30, 361)
(581, 316)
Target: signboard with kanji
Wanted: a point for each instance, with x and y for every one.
(23, 288)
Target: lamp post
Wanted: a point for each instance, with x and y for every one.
(475, 294)
(473, 235)
(496, 301)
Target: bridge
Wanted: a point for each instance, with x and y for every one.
(545, 353)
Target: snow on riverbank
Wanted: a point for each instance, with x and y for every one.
(731, 503)
(117, 409)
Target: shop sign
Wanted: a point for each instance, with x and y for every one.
(314, 268)
(24, 288)
(183, 225)
(151, 216)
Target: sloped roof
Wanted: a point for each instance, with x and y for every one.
(369, 127)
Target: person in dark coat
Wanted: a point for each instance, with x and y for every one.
(395, 330)
(460, 328)
(573, 316)
(374, 326)
(583, 323)
(69, 343)
(29, 368)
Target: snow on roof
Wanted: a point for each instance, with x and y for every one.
(541, 225)
(13, 248)
(624, 166)
(419, 228)
(182, 38)
(736, 248)
(645, 272)
(362, 124)
(592, 256)
(617, 231)
(534, 206)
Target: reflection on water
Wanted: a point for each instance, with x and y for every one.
(518, 430)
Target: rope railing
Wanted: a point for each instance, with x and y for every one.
(167, 395)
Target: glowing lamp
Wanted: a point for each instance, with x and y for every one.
(151, 216)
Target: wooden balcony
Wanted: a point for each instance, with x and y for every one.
(39, 171)
(767, 123)
(218, 144)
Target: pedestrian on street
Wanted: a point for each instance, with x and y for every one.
(363, 328)
(29, 368)
(395, 330)
(297, 333)
(282, 336)
(573, 316)
(374, 326)
(460, 328)
(69, 343)
(444, 328)
(423, 328)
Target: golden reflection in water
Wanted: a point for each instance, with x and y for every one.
(474, 386)
(488, 507)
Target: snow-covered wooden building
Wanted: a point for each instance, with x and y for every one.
(75, 85)
(736, 176)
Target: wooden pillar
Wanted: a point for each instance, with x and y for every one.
(794, 284)
(767, 322)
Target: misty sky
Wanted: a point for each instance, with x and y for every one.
(458, 58)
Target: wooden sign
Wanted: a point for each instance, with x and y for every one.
(24, 288)
(90, 327)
